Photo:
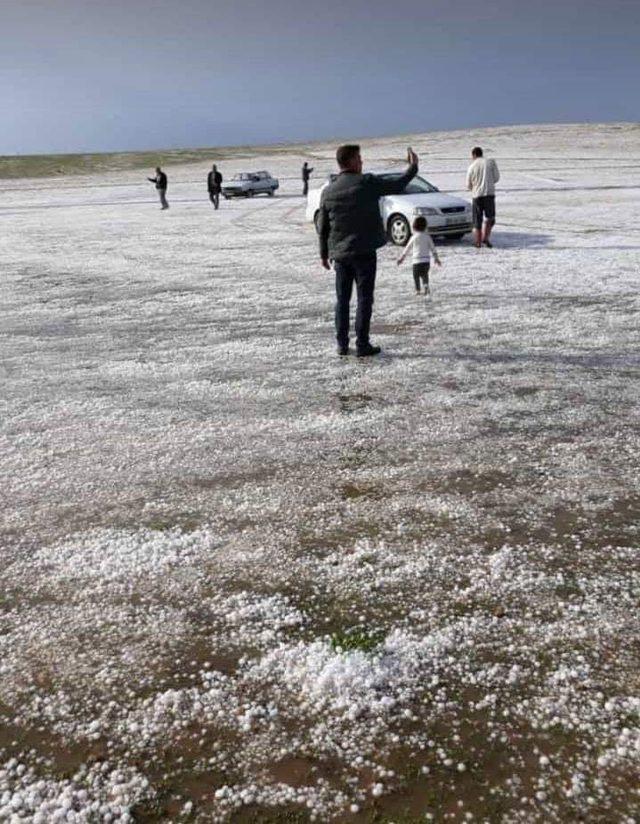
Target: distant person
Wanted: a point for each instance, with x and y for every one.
(423, 249)
(351, 230)
(482, 177)
(306, 174)
(161, 186)
(214, 185)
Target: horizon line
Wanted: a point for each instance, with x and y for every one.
(293, 143)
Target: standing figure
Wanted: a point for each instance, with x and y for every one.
(351, 230)
(306, 174)
(161, 186)
(423, 250)
(482, 177)
(214, 185)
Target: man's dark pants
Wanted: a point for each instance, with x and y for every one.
(360, 269)
(484, 207)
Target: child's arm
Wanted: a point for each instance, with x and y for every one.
(406, 250)
(434, 251)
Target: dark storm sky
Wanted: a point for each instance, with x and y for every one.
(81, 75)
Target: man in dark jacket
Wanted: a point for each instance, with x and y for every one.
(306, 174)
(351, 230)
(161, 186)
(214, 185)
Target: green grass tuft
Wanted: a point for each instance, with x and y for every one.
(357, 638)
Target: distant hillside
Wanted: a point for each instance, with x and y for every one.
(21, 166)
(588, 139)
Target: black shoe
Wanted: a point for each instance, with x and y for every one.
(368, 351)
(488, 244)
(343, 351)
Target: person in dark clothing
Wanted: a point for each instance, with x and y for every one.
(350, 229)
(306, 174)
(214, 185)
(161, 186)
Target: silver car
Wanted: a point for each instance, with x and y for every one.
(447, 215)
(248, 184)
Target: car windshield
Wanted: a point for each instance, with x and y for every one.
(418, 186)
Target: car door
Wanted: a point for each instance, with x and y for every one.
(254, 182)
(264, 182)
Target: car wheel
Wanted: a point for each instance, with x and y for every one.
(398, 230)
(250, 193)
(271, 192)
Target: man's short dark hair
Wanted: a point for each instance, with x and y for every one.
(346, 154)
(476, 151)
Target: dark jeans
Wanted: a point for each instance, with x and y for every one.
(214, 197)
(305, 188)
(162, 193)
(362, 270)
(421, 270)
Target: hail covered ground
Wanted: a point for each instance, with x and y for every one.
(243, 579)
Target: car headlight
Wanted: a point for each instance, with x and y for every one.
(425, 210)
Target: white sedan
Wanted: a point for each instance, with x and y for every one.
(446, 215)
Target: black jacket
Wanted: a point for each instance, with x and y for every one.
(349, 221)
(160, 180)
(214, 181)
(306, 172)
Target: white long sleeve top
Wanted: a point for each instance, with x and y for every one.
(482, 177)
(422, 248)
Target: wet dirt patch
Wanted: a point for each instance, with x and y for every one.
(266, 815)
(63, 756)
(230, 480)
(184, 521)
(467, 482)
(450, 383)
(296, 771)
(354, 491)
(617, 524)
(525, 391)
(356, 402)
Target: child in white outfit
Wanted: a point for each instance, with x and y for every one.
(423, 250)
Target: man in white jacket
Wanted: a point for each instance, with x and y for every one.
(482, 177)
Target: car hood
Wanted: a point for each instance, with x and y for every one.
(435, 200)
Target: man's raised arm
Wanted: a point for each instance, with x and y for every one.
(398, 185)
